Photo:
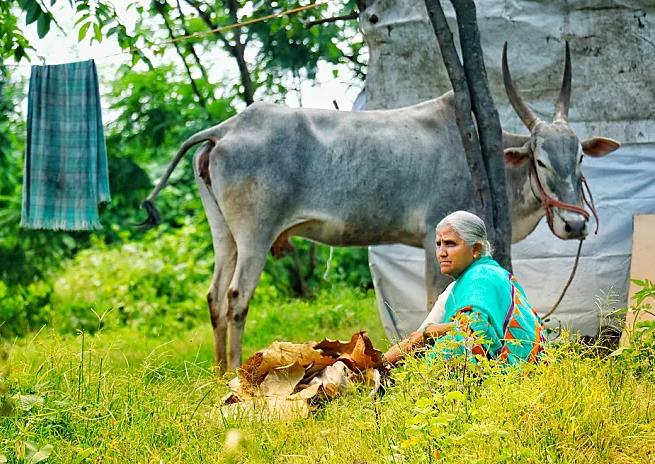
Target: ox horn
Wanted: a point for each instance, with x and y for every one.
(562, 105)
(526, 114)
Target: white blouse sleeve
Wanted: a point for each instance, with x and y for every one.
(438, 311)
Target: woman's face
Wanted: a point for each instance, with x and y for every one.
(454, 254)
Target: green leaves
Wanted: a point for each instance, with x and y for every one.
(647, 291)
(82, 32)
(12, 42)
(43, 25)
(638, 350)
(28, 402)
(100, 19)
(32, 10)
(97, 32)
(34, 453)
(455, 395)
(92, 19)
(424, 403)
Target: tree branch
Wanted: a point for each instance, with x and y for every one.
(358, 66)
(206, 17)
(160, 10)
(239, 55)
(237, 50)
(190, 46)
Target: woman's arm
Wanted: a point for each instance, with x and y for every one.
(438, 311)
(432, 327)
(415, 341)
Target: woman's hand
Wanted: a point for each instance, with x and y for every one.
(432, 331)
(416, 340)
(410, 344)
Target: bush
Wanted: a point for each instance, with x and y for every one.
(158, 284)
(310, 266)
(640, 353)
(23, 307)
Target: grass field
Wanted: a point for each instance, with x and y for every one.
(121, 397)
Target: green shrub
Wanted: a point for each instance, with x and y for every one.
(23, 308)
(640, 353)
(311, 266)
(158, 285)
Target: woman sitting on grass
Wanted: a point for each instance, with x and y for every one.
(485, 300)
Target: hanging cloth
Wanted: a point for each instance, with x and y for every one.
(66, 159)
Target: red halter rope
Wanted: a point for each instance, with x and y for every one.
(548, 202)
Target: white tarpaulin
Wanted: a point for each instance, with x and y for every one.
(623, 185)
(613, 95)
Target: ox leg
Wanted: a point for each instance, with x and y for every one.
(249, 267)
(225, 253)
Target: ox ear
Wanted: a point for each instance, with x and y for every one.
(517, 156)
(599, 146)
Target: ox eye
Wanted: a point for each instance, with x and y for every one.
(581, 158)
(541, 163)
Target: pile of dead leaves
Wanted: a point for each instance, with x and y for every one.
(286, 379)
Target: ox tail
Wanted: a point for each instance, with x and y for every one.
(208, 135)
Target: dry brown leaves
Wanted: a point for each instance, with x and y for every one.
(282, 381)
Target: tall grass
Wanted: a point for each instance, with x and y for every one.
(123, 397)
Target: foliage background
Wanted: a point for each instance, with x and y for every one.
(161, 95)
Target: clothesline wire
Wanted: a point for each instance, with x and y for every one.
(211, 31)
(246, 23)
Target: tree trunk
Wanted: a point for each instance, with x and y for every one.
(463, 105)
(482, 144)
(237, 50)
(398, 76)
(489, 130)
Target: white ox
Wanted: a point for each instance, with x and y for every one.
(363, 178)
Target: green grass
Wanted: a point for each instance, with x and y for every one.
(119, 397)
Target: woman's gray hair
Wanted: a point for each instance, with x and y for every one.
(469, 227)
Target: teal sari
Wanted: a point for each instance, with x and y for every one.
(488, 304)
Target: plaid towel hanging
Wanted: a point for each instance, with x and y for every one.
(66, 159)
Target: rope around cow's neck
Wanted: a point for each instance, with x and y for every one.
(566, 287)
(548, 202)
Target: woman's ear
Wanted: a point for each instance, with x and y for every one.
(477, 250)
